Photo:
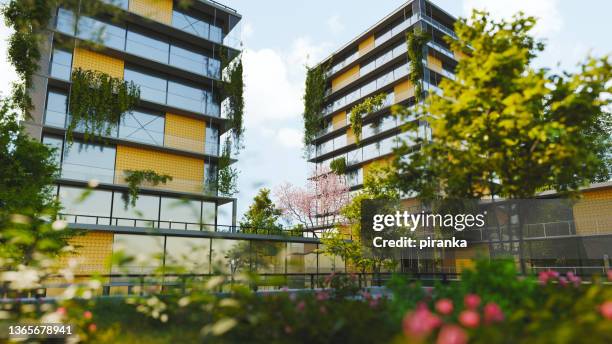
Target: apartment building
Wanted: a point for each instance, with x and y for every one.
(376, 62)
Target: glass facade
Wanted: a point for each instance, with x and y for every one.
(196, 26)
(81, 206)
(141, 126)
(57, 108)
(87, 161)
(61, 64)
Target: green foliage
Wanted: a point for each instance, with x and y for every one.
(314, 94)
(98, 102)
(262, 214)
(233, 87)
(29, 20)
(506, 128)
(368, 105)
(338, 166)
(416, 41)
(135, 179)
(227, 179)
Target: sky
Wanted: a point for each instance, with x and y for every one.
(281, 37)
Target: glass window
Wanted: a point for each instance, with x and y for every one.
(387, 145)
(143, 127)
(367, 68)
(383, 59)
(214, 68)
(57, 143)
(61, 64)
(370, 151)
(400, 50)
(65, 21)
(210, 181)
(186, 97)
(216, 34)
(340, 141)
(190, 24)
(382, 38)
(212, 140)
(401, 71)
(209, 215)
(100, 32)
(152, 88)
(86, 161)
(143, 214)
(268, 256)
(353, 157)
(384, 80)
(188, 60)
(151, 48)
(230, 256)
(57, 107)
(191, 255)
(177, 213)
(147, 250)
(368, 88)
(329, 264)
(80, 209)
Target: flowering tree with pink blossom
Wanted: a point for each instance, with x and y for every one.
(318, 203)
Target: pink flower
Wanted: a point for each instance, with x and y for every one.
(300, 306)
(365, 295)
(469, 318)
(61, 311)
(574, 279)
(322, 296)
(553, 274)
(92, 327)
(284, 289)
(610, 275)
(543, 277)
(452, 334)
(87, 315)
(420, 322)
(471, 301)
(606, 310)
(563, 281)
(373, 303)
(493, 313)
(444, 306)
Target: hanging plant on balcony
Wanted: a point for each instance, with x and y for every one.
(227, 180)
(30, 23)
(314, 94)
(233, 88)
(98, 101)
(416, 41)
(135, 178)
(338, 166)
(368, 105)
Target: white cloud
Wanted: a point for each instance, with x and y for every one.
(547, 12)
(290, 137)
(335, 25)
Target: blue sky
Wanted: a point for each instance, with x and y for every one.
(280, 37)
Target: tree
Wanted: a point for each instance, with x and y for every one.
(262, 214)
(325, 194)
(379, 184)
(27, 171)
(506, 128)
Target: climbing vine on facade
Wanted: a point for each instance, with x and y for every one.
(98, 102)
(368, 105)
(416, 40)
(29, 21)
(338, 165)
(227, 179)
(314, 95)
(135, 178)
(234, 89)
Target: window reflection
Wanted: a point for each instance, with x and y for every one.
(176, 213)
(151, 48)
(147, 250)
(87, 161)
(143, 127)
(87, 206)
(188, 255)
(230, 256)
(143, 214)
(57, 107)
(61, 64)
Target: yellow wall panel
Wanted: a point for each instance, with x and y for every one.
(403, 91)
(434, 63)
(366, 45)
(92, 252)
(593, 213)
(89, 60)
(159, 10)
(350, 136)
(345, 78)
(339, 120)
(187, 172)
(378, 163)
(184, 133)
